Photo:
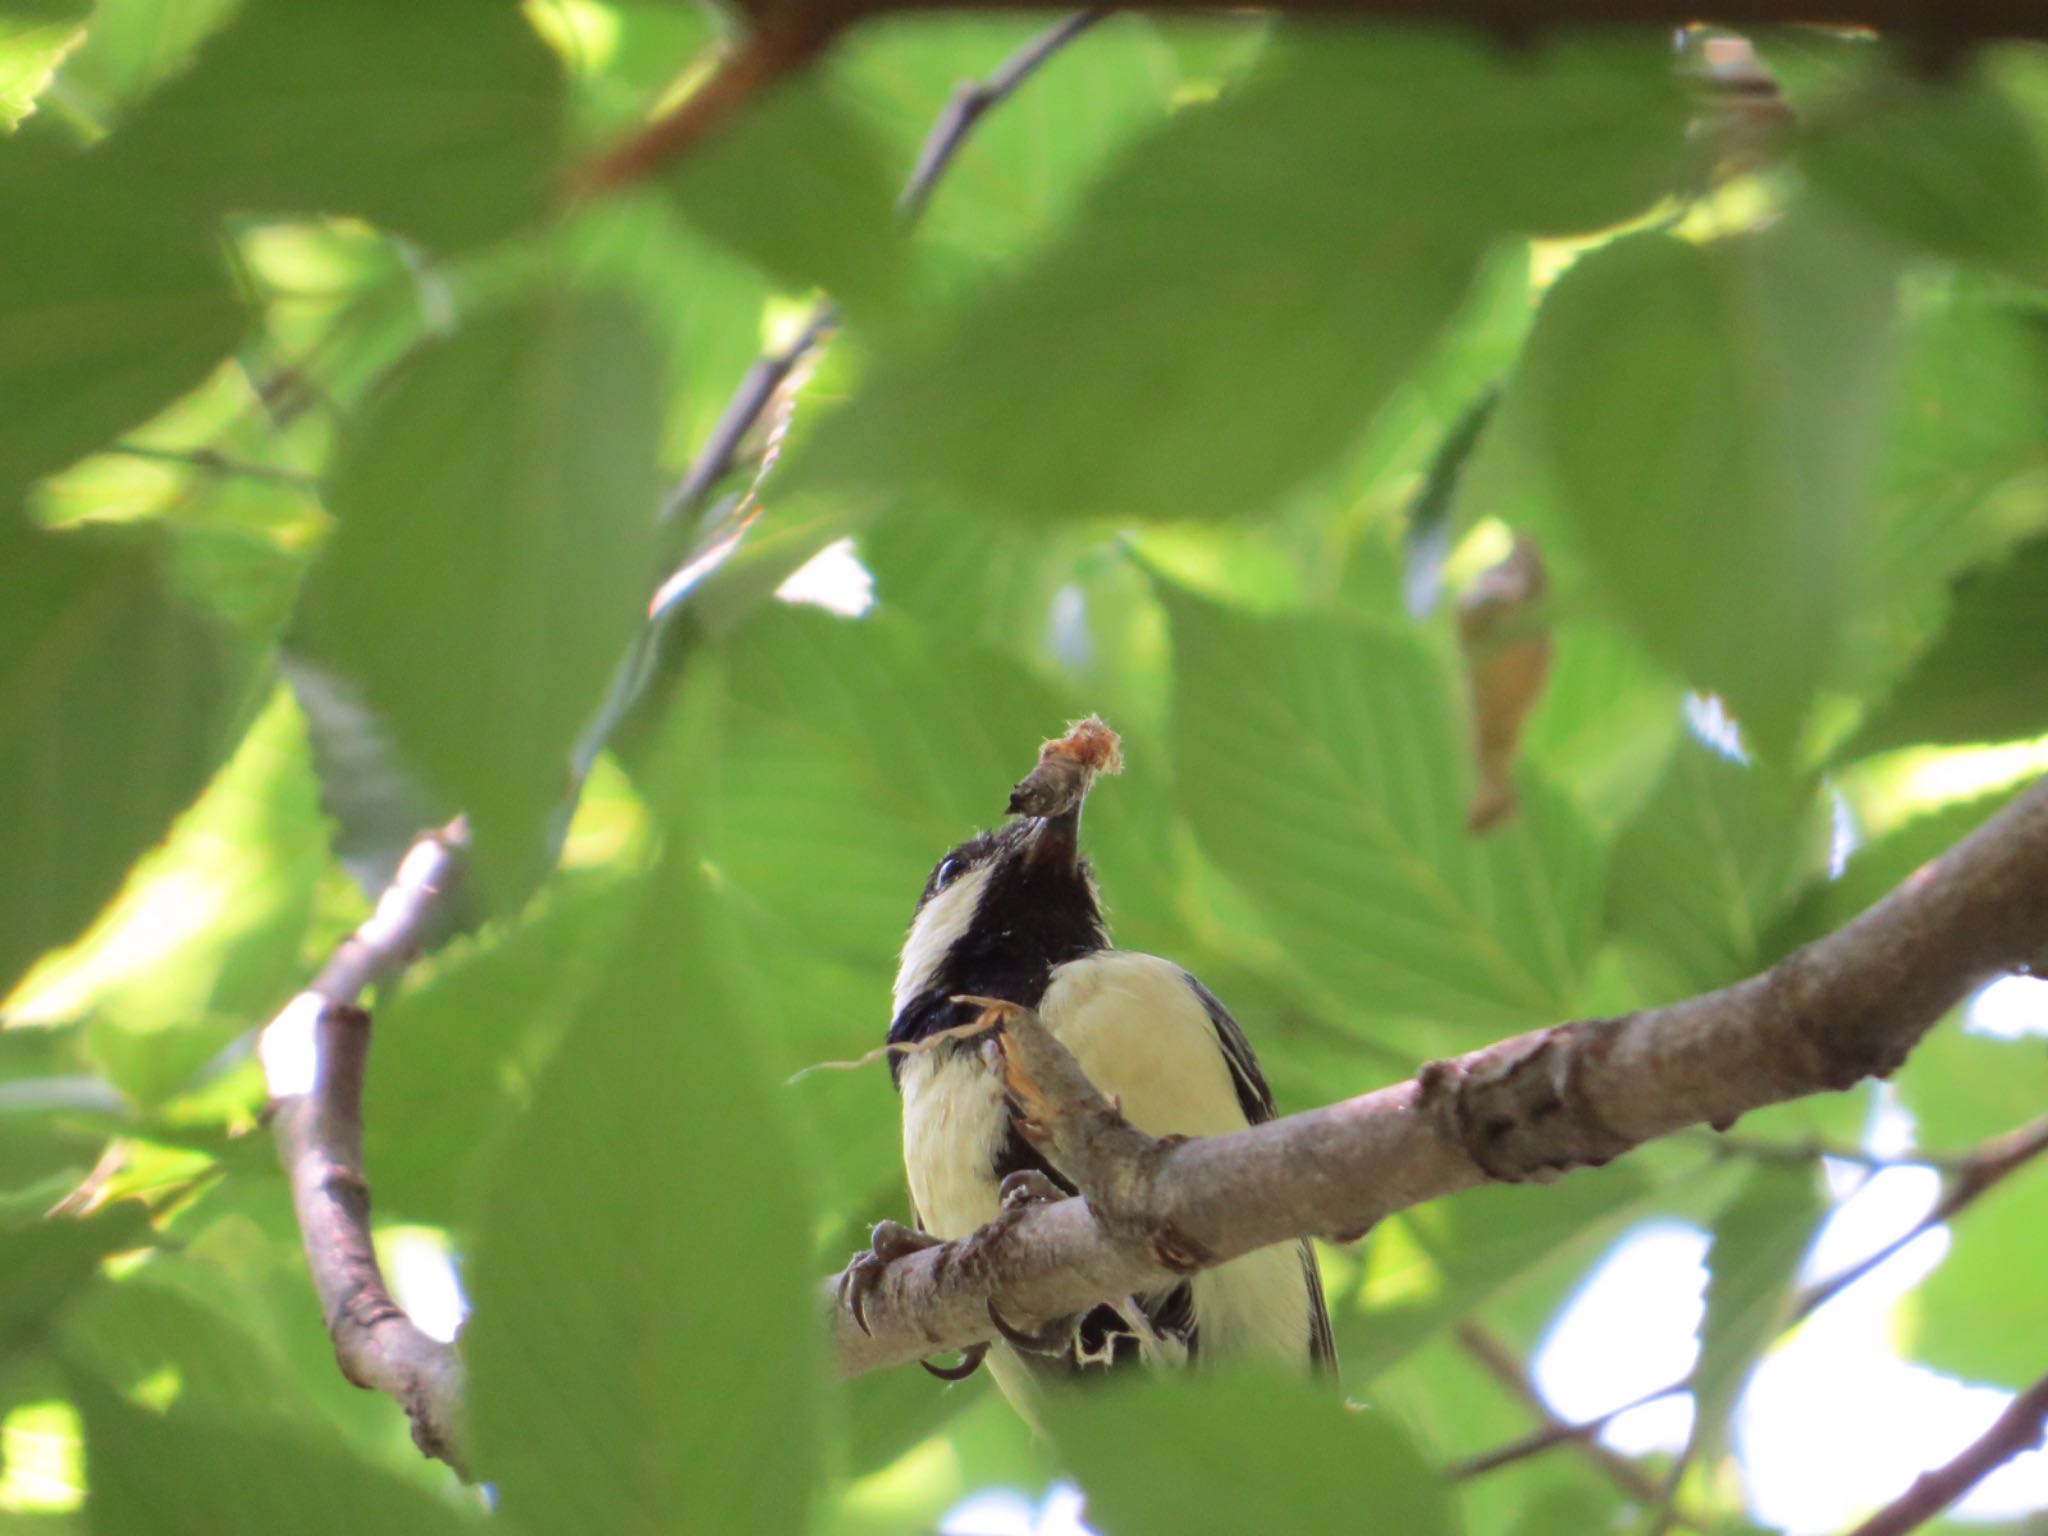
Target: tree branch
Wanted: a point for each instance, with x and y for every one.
(314, 1054)
(2017, 1430)
(1848, 1006)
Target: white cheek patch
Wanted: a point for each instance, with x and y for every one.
(937, 929)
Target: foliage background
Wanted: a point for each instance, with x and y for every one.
(330, 441)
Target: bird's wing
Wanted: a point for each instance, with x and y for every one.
(1257, 1099)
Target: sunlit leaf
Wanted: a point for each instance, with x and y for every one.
(116, 703)
(441, 122)
(1708, 863)
(1709, 414)
(1949, 165)
(1964, 1088)
(1758, 1244)
(1969, 1315)
(1985, 678)
(1324, 769)
(1261, 317)
(34, 37)
(645, 1251)
(1477, 1243)
(113, 302)
(492, 559)
(1171, 1455)
(190, 1474)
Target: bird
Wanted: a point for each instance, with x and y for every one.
(1013, 915)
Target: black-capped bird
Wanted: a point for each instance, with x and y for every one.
(1014, 914)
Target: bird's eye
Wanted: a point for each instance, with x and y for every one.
(943, 876)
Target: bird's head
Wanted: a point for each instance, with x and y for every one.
(1004, 907)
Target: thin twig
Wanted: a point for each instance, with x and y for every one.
(2017, 1430)
(1500, 1363)
(314, 1054)
(1975, 1174)
(969, 103)
(765, 57)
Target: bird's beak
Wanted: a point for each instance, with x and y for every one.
(1056, 840)
(1052, 794)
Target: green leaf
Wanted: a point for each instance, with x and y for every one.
(441, 122)
(1461, 1251)
(1168, 1456)
(1707, 864)
(1759, 1242)
(1964, 1088)
(113, 302)
(1261, 318)
(34, 37)
(1985, 678)
(797, 185)
(189, 1474)
(1949, 165)
(1878, 866)
(641, 1356)
(493, 555)
(1325, 770)
(1708, 415)
(45, 1263)
(1972, 1314)
(116, 704)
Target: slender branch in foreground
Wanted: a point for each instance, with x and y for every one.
(1500, 1363)
(209, 462)
(2017, 1430)
(1848, 1006)
(313, 1055)
(1973, 1175)
(970, 102)
(765, 56)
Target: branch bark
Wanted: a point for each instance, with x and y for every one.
(1846, 1007)
(2017, 1430)
(314, 1053)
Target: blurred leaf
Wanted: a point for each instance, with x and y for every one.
(1472, 1245)
(1964, 1087)
(113, 302)
(797, 185)
(1949, 165)
(46, 1262)
(190, 1474)
(492, 557)
(1324, 770)
(116, 703)
(458, 1051)
(204, 937)
(441, 122)
(1707, 864)
(34, 37)
(645, 1252)
(1759, 1242)
(132, 45)
(1169, 1454)
(1977, 1315)
(1985, 678)
(1261, 318)
(1609, 723)
(1875, 868)
(375, 804)
(1708, 414)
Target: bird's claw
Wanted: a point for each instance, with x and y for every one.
(891, 1241)
(970, 1362)
(1028, 1187)
(1052, 1339)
